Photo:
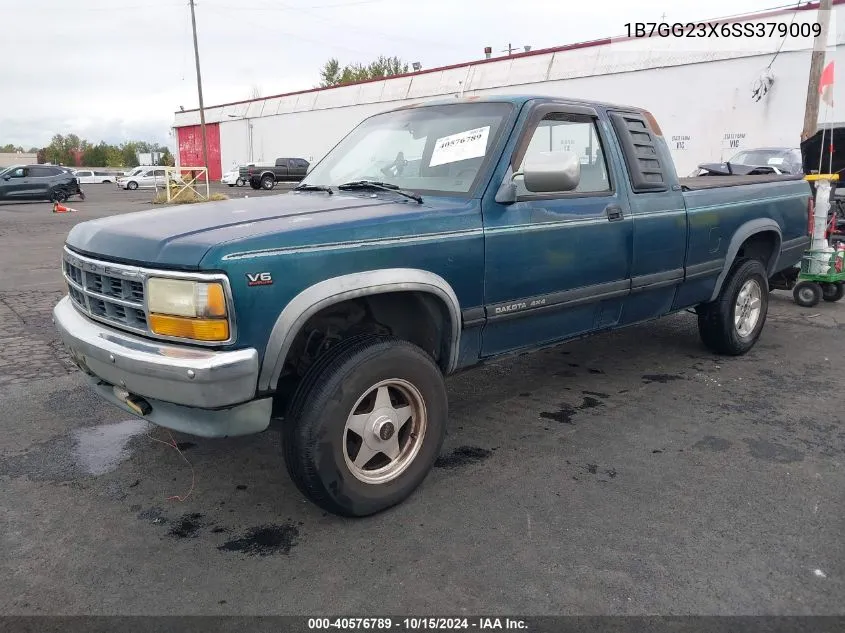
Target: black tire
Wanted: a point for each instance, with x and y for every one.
(807, 293)
(716, 320)
(833, 292)
(255, 184)
(231, 185)
(132, 185)
(268, 182)
(314, 430)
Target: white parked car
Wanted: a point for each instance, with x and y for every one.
(91, 177)
(121, 181)
(147, 179)
(232, 178)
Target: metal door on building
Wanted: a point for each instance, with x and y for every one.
(190, 148)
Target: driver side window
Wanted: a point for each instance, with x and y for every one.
(560, 133)
(20, 172)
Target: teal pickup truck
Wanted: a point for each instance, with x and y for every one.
(432, 238)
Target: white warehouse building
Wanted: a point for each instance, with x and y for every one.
(712, 96)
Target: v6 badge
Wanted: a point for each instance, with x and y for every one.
(259, 279)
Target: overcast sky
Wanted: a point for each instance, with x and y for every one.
(116, 71)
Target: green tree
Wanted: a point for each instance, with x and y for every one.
(95, 155)
(114, 157)
(33, 150)
(129, 154)
(41, 156)
(10, 149)
(331, 73)
(166, 159)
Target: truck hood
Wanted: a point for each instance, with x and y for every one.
(179, 236)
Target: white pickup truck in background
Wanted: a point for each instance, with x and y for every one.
(91, 177)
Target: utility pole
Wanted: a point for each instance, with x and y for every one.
(811, 109)
(199, 91)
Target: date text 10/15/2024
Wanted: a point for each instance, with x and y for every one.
(418, 624)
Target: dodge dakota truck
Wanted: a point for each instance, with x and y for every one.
(430, 239)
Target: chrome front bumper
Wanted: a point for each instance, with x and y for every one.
(186, 387)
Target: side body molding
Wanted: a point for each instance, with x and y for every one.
(325, 293)
(760, 225)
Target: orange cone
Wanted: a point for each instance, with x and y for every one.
(60, 208)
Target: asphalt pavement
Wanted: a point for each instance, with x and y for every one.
(629, 473)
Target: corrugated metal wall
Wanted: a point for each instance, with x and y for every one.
(190, 148)
(700, 90)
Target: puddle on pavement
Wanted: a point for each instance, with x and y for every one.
(100, 449)
(265, 540)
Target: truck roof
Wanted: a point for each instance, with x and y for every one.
(518, 100)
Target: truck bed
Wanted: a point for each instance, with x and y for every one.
(712, 182)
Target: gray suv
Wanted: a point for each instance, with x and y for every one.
(39, 182)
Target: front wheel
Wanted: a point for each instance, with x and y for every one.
(132, 185)
(240, 182)
(833, 292)
(365, 425)
(807, 293)
(732, 323)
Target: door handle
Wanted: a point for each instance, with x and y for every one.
(613, 212)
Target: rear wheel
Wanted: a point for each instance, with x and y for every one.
(807, 293)
(255, 184)
(365, 425)
(733, 322)
(268, 182)
(833, 292)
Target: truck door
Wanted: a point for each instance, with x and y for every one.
(281, 169)
(557, 264)
(659, 215)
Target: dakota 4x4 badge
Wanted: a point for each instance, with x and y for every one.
(259, 279)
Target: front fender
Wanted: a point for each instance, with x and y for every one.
(325, 293)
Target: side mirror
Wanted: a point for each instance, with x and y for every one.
(548, 172)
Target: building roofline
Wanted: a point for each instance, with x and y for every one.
(765, 13)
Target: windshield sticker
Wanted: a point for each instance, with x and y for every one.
(775, 160)
(461, 146)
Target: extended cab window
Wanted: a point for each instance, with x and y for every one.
(559, 133)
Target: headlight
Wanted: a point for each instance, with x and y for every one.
(187, 309)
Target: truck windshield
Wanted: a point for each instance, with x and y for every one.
(429, 149)
(761, 158)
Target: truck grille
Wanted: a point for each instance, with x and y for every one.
(107, 292)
